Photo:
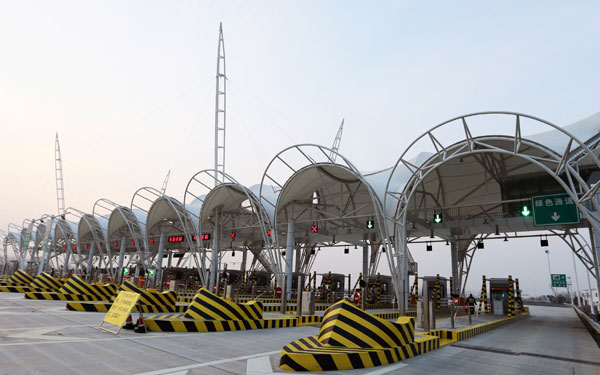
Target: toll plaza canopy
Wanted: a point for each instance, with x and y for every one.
(464, 178)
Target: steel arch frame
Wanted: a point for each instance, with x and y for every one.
(187, 224)
(327, 156)
(202, 180)
(130, 220)
(466, 147)
(66, 229)
(95, 229)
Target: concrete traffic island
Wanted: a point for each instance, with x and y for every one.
(77, 289)
(22, 282)
(150, 301)
(211, 313)
(351, 338)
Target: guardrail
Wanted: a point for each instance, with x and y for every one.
(592, 326)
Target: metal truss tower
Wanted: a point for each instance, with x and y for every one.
(60, 186)
(163, 189)
(336, 142)
(220, 106)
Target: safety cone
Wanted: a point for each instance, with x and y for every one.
(129, 323)
(141, 327)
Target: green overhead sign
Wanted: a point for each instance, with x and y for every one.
(554, 209)
(559, 280)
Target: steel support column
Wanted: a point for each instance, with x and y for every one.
(365, 262)
(214, 259)
(90, 259)
(66, 265)
(119, 277)
(289, 258)
(159, 257)
(244, 260)
(454, 260)
(595, 238)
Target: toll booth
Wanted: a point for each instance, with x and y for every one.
(499, 295)
(235, 278)
(429, 294)
(263, 279)
(332, 286)
(385, 285)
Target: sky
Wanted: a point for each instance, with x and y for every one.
(129, 87)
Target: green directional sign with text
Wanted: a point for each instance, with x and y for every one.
(554, 209)
(559, 280)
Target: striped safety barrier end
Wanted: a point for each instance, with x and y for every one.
(45, 281)
(350, 338)
(19, 289)
(152, 298)
(20, 277)
(179, 323)
(54, 296)
(76, 285)
(208, 306)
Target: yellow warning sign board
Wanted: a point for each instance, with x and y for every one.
(121, 308)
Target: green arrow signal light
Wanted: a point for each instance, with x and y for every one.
(370, 224)
(125, 271)
(437, 218)
(525, 211)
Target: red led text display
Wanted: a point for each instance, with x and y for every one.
(176, 239)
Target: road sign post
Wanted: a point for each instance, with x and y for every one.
(559, 280)
(554, 209)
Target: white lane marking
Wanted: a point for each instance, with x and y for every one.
(259, 366)
(26, 328)
(174, 370)
(262, 366)
(40, 334)
(133, 338)
(387, 369)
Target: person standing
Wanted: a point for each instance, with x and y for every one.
(471, 301)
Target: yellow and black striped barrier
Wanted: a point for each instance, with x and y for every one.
(20, 277)
(42, 283)
(351, 338)
(15, 289)
(105, 306)
(150, 302)
(207, 305)
(211, 313)
(74, 289)
(149, 297)
(474, 330)
(54, 296)
(178, 324)
(45, 281)
(75, 285)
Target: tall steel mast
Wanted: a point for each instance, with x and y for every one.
(163, 189)
(336, 142)
(60, 187)
(220, 105)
